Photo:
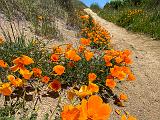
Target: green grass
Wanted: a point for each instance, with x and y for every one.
(147, 22)
(42, 14)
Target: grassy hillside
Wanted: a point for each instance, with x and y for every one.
(137, 15)
(43, 13)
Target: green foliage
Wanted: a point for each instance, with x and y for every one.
(137, 15)
(43, 14)
(4, 113)
(116, 4)
(95, 7)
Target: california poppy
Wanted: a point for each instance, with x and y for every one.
(93, 87)
(26, 73)
(55, 85)
(81, 48)
(54, 57)
(94, 109)
(20, 62)
(84, 17)
(45, 79)
(110, 83)
(37, 72)
(88, 55)
(76, 58)
(84, 91)
(118, 60)
(92, 77)
(59, 69)
(70, 113)
(131, 77)
(3, 64)
(16, 82)
(6, 89)
(72, 55)
(85, 41)
(123, 96)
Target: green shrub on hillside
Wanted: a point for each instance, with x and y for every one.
(95, 7)
(137, 15)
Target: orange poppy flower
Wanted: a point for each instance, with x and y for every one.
(55, 85)
(54, 57)
(6, 89)
(81, 48)
(109, 64)
(71, 54)
(20, 62)
(118, 60)
(107, 58)
(114, 72)
(131, 77)
(127, 60)
(94, 109)
(15, 82)
(26, 73)
(118, 72)
(37, 72)
(3, 64)
(45, 79)
(26, 60)
(126, 70)
(93, 87)
(110, 83)
(88, 55)
(85, 41)
(83, 91)
(126, 52)
(76, 58)
(84, 17)
(121, 75)
(92, 77)
(123, 96)
(87, 90)
(59, 69)
(70, 113)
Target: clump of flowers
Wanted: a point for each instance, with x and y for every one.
(91, 109)
(93, 34)
(128, 17)
(91, 75)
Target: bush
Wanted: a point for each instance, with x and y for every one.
(95, 7)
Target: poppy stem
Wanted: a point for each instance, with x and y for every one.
(59, 100)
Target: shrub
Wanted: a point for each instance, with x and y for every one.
(95, 7)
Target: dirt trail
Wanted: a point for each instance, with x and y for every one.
(144, 93)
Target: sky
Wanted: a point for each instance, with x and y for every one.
(100, 2)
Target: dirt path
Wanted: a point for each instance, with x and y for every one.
(144, 93)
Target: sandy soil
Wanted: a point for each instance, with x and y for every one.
(144, 93)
